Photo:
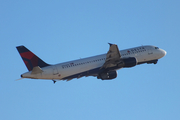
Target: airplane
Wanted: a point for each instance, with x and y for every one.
(102, 66)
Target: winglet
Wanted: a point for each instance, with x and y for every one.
(110, 44)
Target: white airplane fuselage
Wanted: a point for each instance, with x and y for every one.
(91, 65)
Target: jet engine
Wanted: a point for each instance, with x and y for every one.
(128, 62)
(107, 76)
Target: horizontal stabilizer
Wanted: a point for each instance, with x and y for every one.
(36, 70)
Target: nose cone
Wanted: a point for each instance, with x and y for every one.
(163, 52)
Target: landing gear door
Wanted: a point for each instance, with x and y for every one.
(55, 71)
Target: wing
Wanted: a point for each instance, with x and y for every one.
(113, 57)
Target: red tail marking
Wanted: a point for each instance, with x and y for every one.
(34, 61)
(27, 65)
(27, 55)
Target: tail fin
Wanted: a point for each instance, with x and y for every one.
(30, 59)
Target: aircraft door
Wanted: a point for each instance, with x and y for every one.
(55, 71)
(149, 51)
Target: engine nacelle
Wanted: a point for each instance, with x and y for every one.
(129, 62)
(107, 76)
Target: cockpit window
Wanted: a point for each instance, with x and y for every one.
(156, 48)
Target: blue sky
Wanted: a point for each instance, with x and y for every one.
(59, 31)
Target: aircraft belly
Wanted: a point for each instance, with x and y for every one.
(80, 70)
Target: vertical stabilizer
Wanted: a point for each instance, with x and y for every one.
(30, 59)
